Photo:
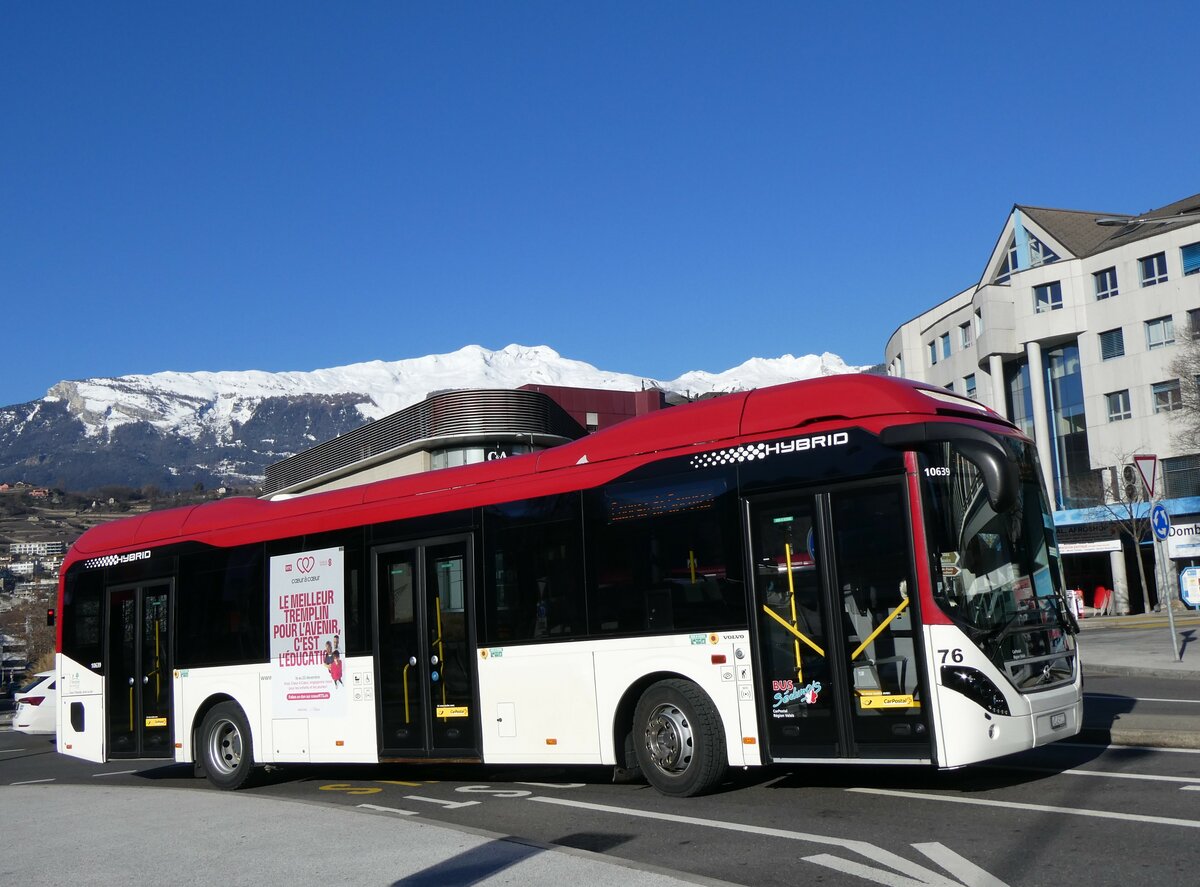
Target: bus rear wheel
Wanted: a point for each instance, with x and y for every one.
(225, 747)
(678, 738)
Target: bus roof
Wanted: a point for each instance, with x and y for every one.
(583, 463)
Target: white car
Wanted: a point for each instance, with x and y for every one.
(37, 705)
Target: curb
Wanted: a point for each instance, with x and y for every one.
(1137, 671)
(1186, 739)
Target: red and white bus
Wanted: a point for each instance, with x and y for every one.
(849, 569)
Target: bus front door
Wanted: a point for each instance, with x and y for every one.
(840, 665)
(425, 644)
(138, 673)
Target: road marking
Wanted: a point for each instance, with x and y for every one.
(1176, 751)
(1138, 698)
(917, 875)
(7, 751)
(449, 805)
(114, 773)
(1038, 808)
(31, 781)
(389, 810)
(1149, 777)
(1191, 788)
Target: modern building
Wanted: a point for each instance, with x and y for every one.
(1071, 331)
(452, 428)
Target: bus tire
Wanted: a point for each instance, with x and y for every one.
(678, 738)
(226, 749)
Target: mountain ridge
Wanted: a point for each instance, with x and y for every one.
(175, 429)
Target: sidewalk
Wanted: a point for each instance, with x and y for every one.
(1140, 646)
(110, 835)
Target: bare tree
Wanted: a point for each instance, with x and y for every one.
(1186, 368)
(1120, 500)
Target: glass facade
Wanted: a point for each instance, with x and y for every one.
(1063, 391)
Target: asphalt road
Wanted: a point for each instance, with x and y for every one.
(1092, 814)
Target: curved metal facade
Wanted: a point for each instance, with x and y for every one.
(470, 413)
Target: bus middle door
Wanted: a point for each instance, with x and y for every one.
(426, 663)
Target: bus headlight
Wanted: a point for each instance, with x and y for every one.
(976, 686)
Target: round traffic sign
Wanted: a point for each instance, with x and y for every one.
(1160, 521)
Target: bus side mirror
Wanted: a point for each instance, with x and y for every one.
(1000, 474)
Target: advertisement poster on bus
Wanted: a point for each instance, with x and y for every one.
(308, 615)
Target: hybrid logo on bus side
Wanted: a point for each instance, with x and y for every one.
(113, 560)
(751, 452)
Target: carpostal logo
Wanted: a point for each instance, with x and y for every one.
(752, 452)
(113, 560)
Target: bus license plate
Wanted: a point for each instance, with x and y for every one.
(1058, 720)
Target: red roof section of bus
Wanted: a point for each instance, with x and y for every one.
(836, 399)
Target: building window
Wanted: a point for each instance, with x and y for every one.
(1106, 283)
(1112, 344)
(1047, 297)
(1154, 269)
(945, 344)
(1160, 332)
(1190, 255)
(1194, 323)
(1181, 476)
(964, 335)
(1039, 253)
(969, 386)
(933, 353)
(1167, 396)
(978, 323)
(949, 386)
(1118, 406)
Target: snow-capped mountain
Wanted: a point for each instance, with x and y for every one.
(174, 429)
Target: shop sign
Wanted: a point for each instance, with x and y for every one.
(1183, 540)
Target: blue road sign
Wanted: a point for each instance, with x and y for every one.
(1189, 586)
(1160, 521)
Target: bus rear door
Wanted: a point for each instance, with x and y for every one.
(839, 652)
(425, 641)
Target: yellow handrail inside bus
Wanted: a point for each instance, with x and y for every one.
(882, 625)
(783, 622)
(692, 565)
(787, 550)
(407, 719)
(441, 650)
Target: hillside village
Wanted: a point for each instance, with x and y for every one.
(37, 527)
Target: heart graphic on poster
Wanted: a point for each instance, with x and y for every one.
(306, 564)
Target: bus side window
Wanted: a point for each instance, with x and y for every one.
(533, 570)
(664, 555)
(221, 608)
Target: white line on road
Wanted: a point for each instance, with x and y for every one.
(1138, 698)
(1149, 777)
(1139, 748)
(921, 874)
(114, 773)
(1037, 808)
(389, 809)
(31, 782)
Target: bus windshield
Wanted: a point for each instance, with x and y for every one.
(997, 575)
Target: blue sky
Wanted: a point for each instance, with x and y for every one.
(652, 188)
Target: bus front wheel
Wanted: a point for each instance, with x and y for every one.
(678, 738)
(226, 749)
